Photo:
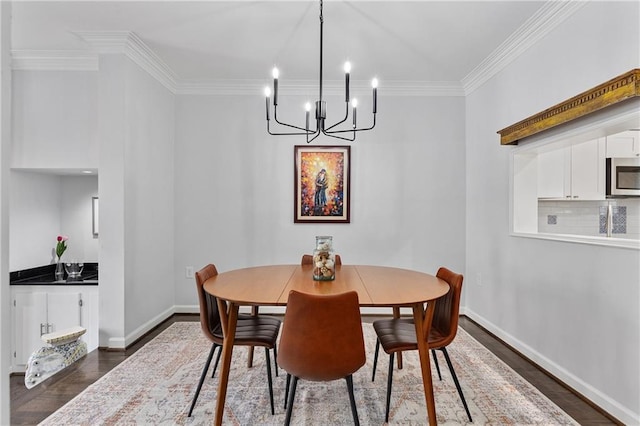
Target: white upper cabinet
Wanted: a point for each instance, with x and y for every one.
(588, 170)
(576, 172)
(554, 173)
(624, 145)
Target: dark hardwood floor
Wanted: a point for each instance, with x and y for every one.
(30, 406)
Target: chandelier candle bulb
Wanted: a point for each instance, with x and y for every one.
(374, 84)
(347, 70)
(275, 73)
(267, 93)
(355, 105)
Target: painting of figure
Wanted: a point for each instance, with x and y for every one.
(322, 184)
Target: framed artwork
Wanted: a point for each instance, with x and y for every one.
(322, 179)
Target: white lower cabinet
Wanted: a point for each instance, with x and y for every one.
(44, 309)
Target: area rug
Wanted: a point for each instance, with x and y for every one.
(156, 384)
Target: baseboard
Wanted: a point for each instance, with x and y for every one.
(574, 383)
(145, 328)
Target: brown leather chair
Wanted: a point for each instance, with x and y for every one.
(307, 259)
(397, 335)
(328, 352)
(258, 330)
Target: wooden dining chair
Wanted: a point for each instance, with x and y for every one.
(399, 334)
(251, 330)
(321, 341)
(307, 259)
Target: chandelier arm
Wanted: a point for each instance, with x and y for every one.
(306, 131)
(334, 135)
(346, 115)
(286, 134)
(362, 129)
(317, 133)
(303, 131)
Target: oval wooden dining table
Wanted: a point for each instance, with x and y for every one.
(377, 286)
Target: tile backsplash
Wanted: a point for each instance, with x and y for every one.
(590, 217)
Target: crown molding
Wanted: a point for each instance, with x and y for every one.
(53, 60)
(547, 18)
(129, 44)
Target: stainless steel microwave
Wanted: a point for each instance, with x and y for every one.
(623, 177)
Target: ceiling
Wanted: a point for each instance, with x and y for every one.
(396, 41)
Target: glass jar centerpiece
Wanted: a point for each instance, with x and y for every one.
(324, 259)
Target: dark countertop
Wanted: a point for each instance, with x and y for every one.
(44, 275)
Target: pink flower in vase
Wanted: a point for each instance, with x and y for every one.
(61, 246)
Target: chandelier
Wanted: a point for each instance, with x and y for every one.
(346, 132)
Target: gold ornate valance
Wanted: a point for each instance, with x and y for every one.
(606, 94)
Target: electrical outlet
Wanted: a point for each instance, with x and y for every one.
(479, 278)
(188, 272)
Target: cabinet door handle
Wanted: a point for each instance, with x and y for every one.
(43, 329)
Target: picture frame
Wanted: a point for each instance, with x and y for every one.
(322, 184)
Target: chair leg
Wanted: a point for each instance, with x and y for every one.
(286, 389)
(455, 380)
(375, 360)
(215, 365)
(268, 359)
(202, 376)
(352, 399)
(389, 381)
(275, 358)
(292, 395)
(435, 360)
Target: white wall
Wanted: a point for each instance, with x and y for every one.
(136, 133)
(76, 219)
(54, 129)
(5, 149)
(126, 115)
(234, 187)
(43, 206)
(35, 212)
(111, 141)
(572, 308)
(55, 120)
(148, 202)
